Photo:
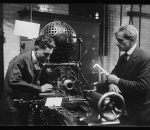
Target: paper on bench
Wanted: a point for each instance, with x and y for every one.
(53, 101)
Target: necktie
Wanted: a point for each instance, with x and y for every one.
(40, 64)
(125, 58)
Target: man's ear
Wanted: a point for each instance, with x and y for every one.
(132, 40)
(36, 48)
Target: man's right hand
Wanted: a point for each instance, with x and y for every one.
(114, 88)
(46, 87)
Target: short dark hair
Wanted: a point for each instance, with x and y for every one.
(44, 41)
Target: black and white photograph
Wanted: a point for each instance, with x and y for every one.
(75, 64)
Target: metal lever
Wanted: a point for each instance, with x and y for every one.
(103, 71)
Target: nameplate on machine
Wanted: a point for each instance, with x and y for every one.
(53, 101)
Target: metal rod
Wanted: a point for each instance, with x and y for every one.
(103, 36)
(140, 24)
(120, 21)
(30, 12)
(103, 71)
(120, 14)
(131, 17)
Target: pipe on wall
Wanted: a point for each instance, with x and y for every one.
(140, 6)
(2, 40)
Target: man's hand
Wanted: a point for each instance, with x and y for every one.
(46, 87)
(114, 88)
(113, 79)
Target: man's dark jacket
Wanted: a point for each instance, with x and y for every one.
(134, 84)
(19, 83)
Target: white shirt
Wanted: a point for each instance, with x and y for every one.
(35, 61)
(34, 57)
(129, 52)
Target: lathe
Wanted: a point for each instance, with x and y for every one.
(76, 106)
(71, 100)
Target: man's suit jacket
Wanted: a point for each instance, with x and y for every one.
(134, 84)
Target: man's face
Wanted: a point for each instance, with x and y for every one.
(123, 43)
(43, 54)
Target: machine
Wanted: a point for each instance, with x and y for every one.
(80, 105)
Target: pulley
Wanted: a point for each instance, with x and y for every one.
(109, 102)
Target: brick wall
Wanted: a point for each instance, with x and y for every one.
(114, 22)
(12, 44)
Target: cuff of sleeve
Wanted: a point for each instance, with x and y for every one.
(37, 88)
(121, 84)
(117, 81)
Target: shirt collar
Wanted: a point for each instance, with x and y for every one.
(34, 57)
(129, 52)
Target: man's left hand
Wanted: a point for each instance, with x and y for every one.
(114, 88)
(113, 79)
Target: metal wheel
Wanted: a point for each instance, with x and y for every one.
(111, 102)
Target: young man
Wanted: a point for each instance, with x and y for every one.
(131, 76)
(20, 81)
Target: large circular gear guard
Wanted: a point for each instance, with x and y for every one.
(65, 39)
(58, 27)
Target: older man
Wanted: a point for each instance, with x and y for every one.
(131, 76)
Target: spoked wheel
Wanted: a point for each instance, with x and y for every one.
(111, 106)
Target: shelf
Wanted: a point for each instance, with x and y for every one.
(137, 14)
(36, 15)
